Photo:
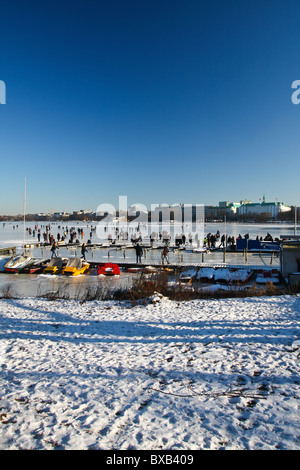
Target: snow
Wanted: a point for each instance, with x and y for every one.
(224, 274)
(264, 277)
(202, 374)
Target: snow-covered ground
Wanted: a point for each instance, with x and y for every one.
(205, 374)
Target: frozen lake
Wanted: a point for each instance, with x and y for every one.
(11, 234)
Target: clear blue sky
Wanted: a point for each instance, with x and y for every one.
(163, 101)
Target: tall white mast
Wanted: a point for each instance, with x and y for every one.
(24, 214)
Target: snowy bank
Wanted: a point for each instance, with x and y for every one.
(203, 374)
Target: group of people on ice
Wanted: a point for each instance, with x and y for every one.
(139, 253)
(54, 250)
(211, 240)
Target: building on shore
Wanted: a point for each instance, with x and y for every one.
(247, 209)
(271, 209)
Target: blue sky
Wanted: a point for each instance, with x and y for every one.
(163, 101)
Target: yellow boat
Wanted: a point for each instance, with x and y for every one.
(75, 267)
(55, 266)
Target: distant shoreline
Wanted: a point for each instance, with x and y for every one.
(19, 219)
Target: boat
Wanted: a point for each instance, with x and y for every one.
(17, 263)
(150, 269)
(188, 275)
(36, 266)
(232, 275)
(183, 286)
(75, 267)
(264, 277)
(199, 250)
(134, 269)
(108, 269)
(189, 248)
(55, 266)
(206, 274)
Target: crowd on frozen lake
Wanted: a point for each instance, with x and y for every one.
(12, 232)
(102, 251)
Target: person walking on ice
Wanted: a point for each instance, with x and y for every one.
(165, 255)
(83, 251)
(138, 252)
(53, 249)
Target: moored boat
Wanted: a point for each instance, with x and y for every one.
(75, 267)
(55, 265)
(134, 269)
(268, 276)
(17, 262)
(108, 269)
(35, 266)
(150, 269)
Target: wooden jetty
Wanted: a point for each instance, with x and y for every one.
(180, 266)
(199, 261)
(146, 246)
(8, 251)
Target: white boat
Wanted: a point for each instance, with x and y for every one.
(193, 248)
(189, 248)
(20, 261)
(17, 262)
(206, 274)
(200, 250)
(232, 275)
(150, 269)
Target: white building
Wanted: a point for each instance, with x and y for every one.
(270, 208)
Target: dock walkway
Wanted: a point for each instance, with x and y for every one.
(182, 266)
(8, 251)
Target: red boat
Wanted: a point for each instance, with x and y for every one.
(109, 269)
